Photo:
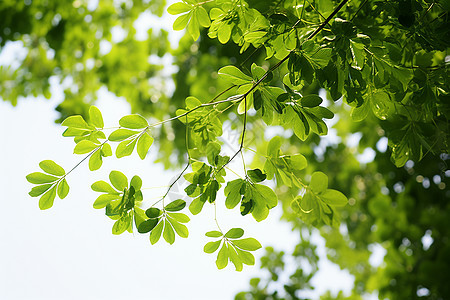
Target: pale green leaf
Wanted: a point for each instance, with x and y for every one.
(222, 257)
(235, 259)
(246, 257)
(143, 144)
(121, 134)
(118, 180)
(63, 189)
(133, 122)
(168, 234)
(334, 198)
(46, 200)
(234, 75)
(40, 178)
(178, 8)
(76, 122)
(84, 146)
(52, 168)
(155, 235)
(193, 27)
(234, 233)
(181, 22)
(106, 150)
(105, 199)
(180, 229)
(319, 182)
(203, 18)
(39, 190)
(103, 187)
(249, 244)
(125, 148)
(95, 161)
(213, 233)
(95, 116)
(212, 247)
(179, 217)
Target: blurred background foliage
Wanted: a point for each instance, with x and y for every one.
(85, 45)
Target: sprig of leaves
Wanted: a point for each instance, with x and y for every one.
(49, 184)
(319, 203)
(130, 138)
(232, 248)
(194, 16)
(165, 222)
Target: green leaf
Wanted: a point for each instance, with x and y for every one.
(249, 244)
(121, 225)
(153, 212)
(203, 18)
(121, 134)
(147, 225)
(95, 116)
(334, 198)
(136, 182)
(310, 101)
(103, 200)
(273, 148)
(235, 259)
(84, 147)
(40, 178)
(52, 168)
(95, 161)
(118, 180)
(232, 192)
(133, 122)
(213, 233)
(63, 189)
(106, 150)
(46, 200)
(193, 27)
(234, 233)
(125, 148)
(196, 206)
(256, 175)
(175, 205)
(179, 217)
(246, 257)
(319, 182)
(298, 162)
(181, 22)
(39, 190)
(180, 229)
(212, 247)
(143, 144)
(76, 122)
(222, 257)
(178, 8)
(103, 187)
(155, 235)
(234, 75)
(168, 234)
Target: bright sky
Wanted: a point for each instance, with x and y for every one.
(68, 251)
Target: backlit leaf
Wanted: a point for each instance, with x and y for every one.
(63, 189)
(133, 122)
(52, 168)
(118, 180)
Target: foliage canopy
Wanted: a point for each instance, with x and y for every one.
(367, 69)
